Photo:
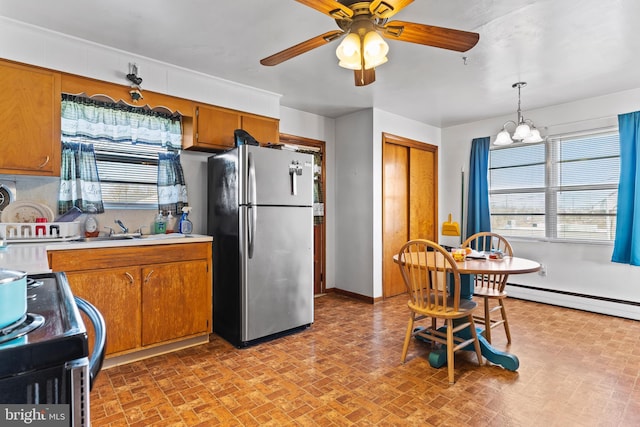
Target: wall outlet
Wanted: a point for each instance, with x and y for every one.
(543, 270)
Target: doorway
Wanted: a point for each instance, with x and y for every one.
(317, 148)
(409, 201)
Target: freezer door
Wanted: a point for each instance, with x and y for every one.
(277, 289)
(275, 177)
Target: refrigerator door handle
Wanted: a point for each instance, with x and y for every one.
(252, 211)
(251, 232)
(294, 170)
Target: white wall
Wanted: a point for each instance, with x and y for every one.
(354, 201)
(576, 268)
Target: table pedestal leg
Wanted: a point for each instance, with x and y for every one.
(438, 358)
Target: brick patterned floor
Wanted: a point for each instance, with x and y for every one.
(576, 369)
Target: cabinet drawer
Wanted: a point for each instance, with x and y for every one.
(91, 259)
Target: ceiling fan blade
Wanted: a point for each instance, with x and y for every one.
(301, 48)
(444, 38)
(387, 8)
(329, 7)
(364, 77)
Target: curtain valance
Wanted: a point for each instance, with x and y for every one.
(117, 122)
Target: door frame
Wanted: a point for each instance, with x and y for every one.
(388, 138)
(318, 144)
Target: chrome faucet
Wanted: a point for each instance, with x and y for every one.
(125, 230)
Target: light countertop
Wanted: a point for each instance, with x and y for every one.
(32, 257)
(28, 257)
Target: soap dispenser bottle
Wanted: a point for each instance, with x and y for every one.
(171, 223)
(90, 222)
(160, 225)
(185, 226)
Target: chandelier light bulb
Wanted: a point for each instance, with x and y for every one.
(534, 136)
(522, 131)
(503, 138)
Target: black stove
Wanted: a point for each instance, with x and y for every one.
(61, 337)
(44, 357)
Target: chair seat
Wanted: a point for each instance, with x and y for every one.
(488, 292)
(464, 307)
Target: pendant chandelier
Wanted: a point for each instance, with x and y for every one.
(525, 130)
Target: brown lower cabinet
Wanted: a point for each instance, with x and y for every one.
(148, 295)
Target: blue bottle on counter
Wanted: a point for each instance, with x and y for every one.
(185, 226)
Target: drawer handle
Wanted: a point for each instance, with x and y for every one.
(45, 162)
(146, 279)
(129, 276)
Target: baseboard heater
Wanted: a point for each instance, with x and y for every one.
(575, 294)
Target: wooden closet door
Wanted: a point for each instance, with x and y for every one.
(410, 202)
(422, 195)
(395, 214)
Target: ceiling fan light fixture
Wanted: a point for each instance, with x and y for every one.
(349, 52)
(375, 50)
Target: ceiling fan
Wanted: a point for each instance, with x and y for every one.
(362, 23)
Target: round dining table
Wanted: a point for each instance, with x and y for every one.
(469, 267)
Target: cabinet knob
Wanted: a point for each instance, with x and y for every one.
(129, 276)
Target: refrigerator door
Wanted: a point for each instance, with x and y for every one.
(275, 177)
(277, 280)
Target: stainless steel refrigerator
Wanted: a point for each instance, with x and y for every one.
(260, 214)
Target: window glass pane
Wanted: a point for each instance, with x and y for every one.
(589, 172)
(516, 225)
(595, 202)
(517, 177)
(590, 147)
(517, 203)
(129, 193)
(518, 214)
(517, 156)
(586, 227)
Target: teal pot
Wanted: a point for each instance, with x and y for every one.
(13, 296)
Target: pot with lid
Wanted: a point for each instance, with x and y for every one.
(13, 296)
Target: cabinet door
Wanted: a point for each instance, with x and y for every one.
(214, 127)
(29, 120)
(263, 129)
(176, 300)
(116, 294)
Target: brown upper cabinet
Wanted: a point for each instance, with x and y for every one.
(30, 99)
(214, 128)
(29, 120)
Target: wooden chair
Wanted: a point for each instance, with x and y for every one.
(425, 266)
(491, 286)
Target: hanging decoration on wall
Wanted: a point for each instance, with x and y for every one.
(136, 90)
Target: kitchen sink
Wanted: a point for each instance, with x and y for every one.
(108, 238)
(129, 236)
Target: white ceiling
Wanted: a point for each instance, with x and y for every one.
(565, 49)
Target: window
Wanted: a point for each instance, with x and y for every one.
(563, 189)
(127, 141)
(128, 172)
